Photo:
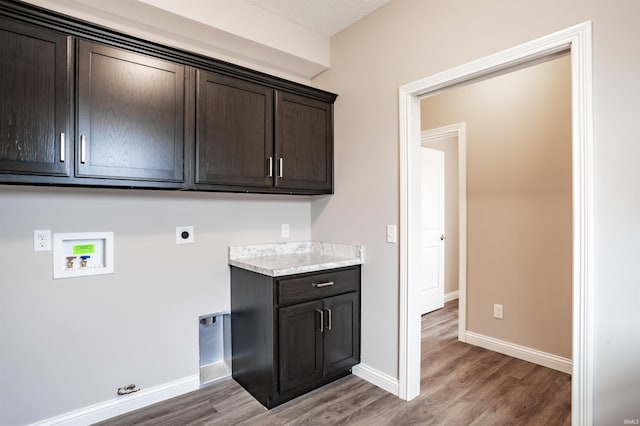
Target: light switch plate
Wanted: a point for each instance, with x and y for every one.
(284, 233)
(498, 311)
(392, 234)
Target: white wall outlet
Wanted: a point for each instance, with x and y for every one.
(392, 234)
(42, 240)
(284, 233)
(185, 234)
(497, 311)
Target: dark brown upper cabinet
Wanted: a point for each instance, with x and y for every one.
(304, 143)
(130, 115)
(87, 106)
(245, 141)
(35, 109)
(234, 132)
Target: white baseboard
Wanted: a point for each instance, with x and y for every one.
(378, 378)
(448, 297)
(123, 404)
(521, 352)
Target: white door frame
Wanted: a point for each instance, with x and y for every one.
(458, 131)
(578, 40)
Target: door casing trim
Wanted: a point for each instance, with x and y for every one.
(577, 40)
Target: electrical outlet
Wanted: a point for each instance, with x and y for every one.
(497, 311)
(185, 234)
(284, 233)
(42, 240)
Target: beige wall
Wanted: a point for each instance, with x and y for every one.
(230, 30)
(407, 40)
(449, 145)
(518, 201)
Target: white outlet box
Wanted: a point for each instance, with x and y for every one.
(185, 235)
(284, 233)
(42, 240)
(497, 311)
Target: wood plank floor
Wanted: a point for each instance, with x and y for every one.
(461, 385)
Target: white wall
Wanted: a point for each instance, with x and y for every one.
(411, 39)
(69, 343)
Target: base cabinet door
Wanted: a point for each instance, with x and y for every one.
(342, 328)
(130, 115)
(300, 345)
(35, 107)
(318, 339)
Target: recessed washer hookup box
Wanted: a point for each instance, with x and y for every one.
(81, 254)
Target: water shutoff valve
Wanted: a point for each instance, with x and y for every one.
(83, 261)
(70, 260)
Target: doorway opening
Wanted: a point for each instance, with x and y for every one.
(577, 40)
(451, 141)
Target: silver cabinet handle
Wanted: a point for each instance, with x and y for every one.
(328, 319)
(280, 165)
(270, 167)
(62, 148)
(83, 157)
(321, 330)
(320, 285)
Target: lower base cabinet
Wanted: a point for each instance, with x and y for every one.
(295, 333)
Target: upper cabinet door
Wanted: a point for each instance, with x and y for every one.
(234, 132)
(35, 100)
(130, 115)
(304, 143)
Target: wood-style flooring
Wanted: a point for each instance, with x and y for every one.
(461, 385)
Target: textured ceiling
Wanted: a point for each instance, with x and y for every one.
(324, 16)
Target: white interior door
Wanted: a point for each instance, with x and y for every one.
(432, 237)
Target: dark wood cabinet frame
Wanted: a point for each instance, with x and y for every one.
(290, 336)
(303, 178)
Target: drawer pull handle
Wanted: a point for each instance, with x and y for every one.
(321, 312)
(320, 285)
(328, 319)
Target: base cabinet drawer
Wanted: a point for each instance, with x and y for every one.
(317, 286)
(284, 345)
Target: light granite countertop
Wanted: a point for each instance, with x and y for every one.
(279, 259)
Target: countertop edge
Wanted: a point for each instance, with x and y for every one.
(297, 269)
(291, 258)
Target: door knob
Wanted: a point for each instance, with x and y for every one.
(442, 237)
